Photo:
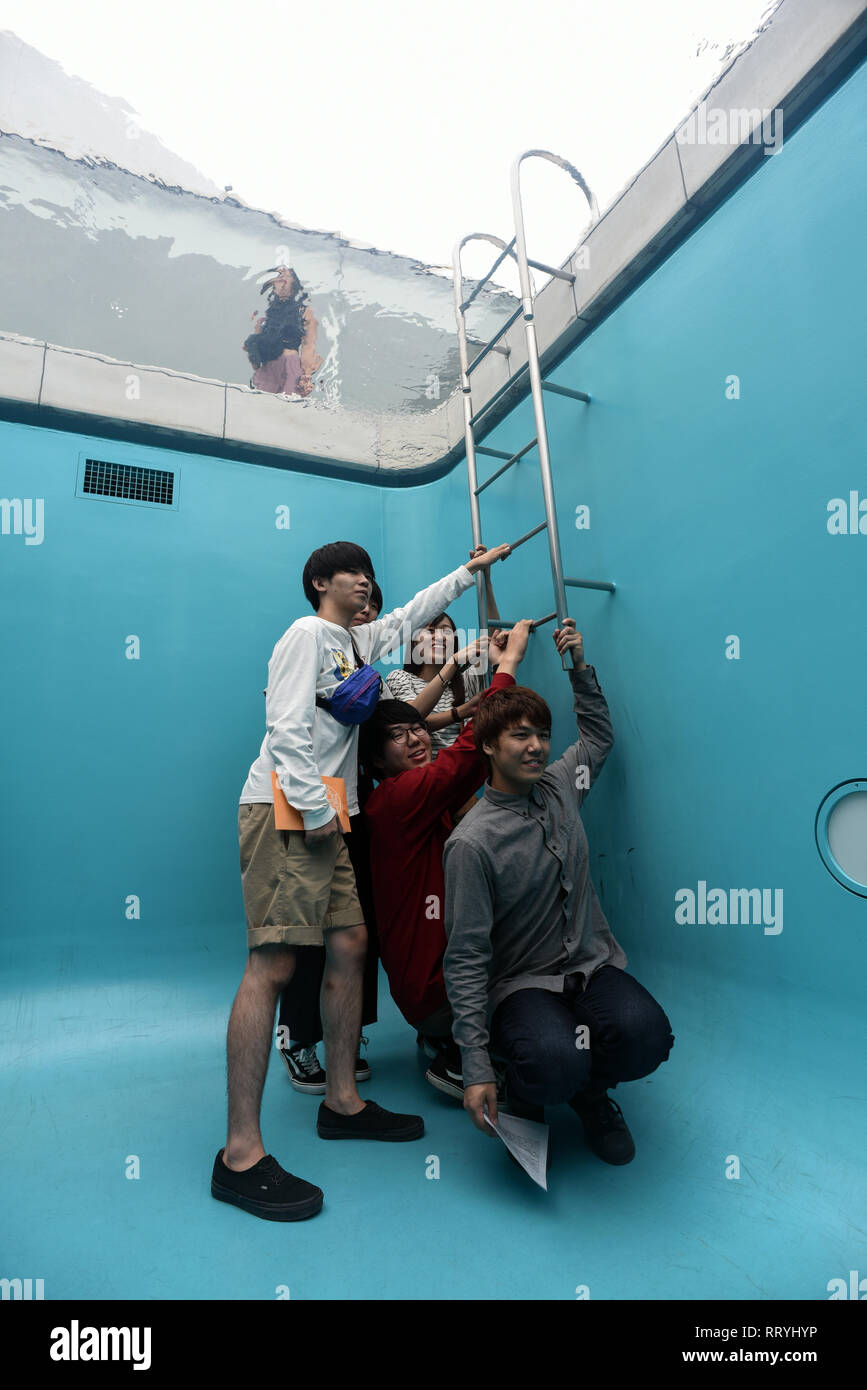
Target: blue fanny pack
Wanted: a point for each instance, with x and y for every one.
(356, 698)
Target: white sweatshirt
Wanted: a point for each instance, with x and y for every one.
(302, 742)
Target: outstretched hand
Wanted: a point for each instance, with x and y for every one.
(480, 559)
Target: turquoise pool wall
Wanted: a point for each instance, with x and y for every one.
(115, 753)
(710, 514)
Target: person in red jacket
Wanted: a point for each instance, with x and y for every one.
(409, 817)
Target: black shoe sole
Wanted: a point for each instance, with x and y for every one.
(297, 1211)
(303, 1086)
(388, 1137)
(617, 1162)
(315, 1088)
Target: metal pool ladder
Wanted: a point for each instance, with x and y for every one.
(517, 249)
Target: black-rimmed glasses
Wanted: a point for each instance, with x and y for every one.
(400, 735)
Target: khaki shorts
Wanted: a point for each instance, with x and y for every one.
(293, 892)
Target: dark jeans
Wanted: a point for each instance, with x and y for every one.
(299, 1002)
(535, 1032)
(438, 1024)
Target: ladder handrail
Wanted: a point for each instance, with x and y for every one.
(527, 300)
(517, 249)
(517, 208)
(466, 391)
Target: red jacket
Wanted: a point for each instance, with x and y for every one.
(410, 818)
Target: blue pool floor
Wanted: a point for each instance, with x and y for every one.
(96, 1069)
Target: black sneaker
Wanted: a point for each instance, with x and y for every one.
(266, 1190)
(445, 1073)
(305, 1073)
(605, 1130)
(370, 1123)
(304, 1070)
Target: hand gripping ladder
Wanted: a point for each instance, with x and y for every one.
(517, 249)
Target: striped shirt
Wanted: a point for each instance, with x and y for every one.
(404, 685)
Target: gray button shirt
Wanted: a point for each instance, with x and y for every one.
(521, 911)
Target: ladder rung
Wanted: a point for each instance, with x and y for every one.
(565, 391)
(494, 453)
(507, 251)
(479, 342)
(514, 380)
(590, 584)
(500, 392)
(513, 458)
(494, 623)
(552, 270)
(513, 545)
(547, 619)
(489, 346)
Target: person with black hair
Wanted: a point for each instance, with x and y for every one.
(299, 1021)
(533, 973)
(443, 689)
(410, 815)
(282, 346)
(298, 885)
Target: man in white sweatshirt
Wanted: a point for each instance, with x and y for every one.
(298, 885)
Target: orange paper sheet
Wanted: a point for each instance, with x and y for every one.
(287, 818)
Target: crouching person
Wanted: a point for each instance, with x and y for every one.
(532, 971)
(409, 817)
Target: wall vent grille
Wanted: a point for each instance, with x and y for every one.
(125, 482)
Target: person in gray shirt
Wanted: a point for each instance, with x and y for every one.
(532, 971)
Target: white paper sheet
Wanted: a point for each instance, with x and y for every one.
(527, 1140)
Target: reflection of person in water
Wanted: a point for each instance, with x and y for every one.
(282, 346)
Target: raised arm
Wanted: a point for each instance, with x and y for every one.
(581, 764)
(395, 629)
(491, 604)
(426, 698)
(456, 772)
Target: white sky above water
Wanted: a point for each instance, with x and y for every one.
(396, 122)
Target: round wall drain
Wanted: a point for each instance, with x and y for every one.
(841, 835)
